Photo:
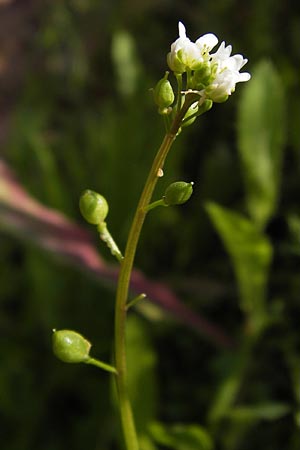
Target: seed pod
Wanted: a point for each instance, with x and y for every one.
(93, 207)
(164, 94)
(70, 347)
(193, 109)
(178, 193)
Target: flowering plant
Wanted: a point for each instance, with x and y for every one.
(202, 78)
(213, 76)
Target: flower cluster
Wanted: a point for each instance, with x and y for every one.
(212, 75)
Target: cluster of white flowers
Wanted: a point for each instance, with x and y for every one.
(213, 75)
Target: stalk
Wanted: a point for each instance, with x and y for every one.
(127, 420)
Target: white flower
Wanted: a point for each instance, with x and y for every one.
(227, 73)
(184, 53)
(213, 76)
(205, 44)
(188, 55)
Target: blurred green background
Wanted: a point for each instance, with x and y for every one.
(77, 112)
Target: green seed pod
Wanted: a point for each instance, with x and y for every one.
(178, 193)
(193, 109)
(70, 347)
(93, 207)
(164, 94)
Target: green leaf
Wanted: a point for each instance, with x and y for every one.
(141, 361)
(264, 411)
(250, 252)
(227, 391)
(126, 63)
(181, 437)
(146, 443)
(261, 136)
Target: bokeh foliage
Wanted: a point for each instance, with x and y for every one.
(85, 119)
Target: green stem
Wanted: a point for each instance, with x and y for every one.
(153, 205)
(127, 420)
(135, 300)
(101, 365)
(106, 237)
(179, 89)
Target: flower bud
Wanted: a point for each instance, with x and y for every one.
(218, 97)
(202, 77)
(178, 193)
(164, 94)
(206, 105)
(93, 207)
(70, 347)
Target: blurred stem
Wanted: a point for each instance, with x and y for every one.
(127, 420)
(230, 387)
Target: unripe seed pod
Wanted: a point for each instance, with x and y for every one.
(178, 193)
(193, 109)
(163, 93)
(93, 207)
(70, 347)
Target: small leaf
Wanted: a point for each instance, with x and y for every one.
(181, 437)
(251, 254)
(261, 136)
(126, 63)
(146, 443)
(264, 411)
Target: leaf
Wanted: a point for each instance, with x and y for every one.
(250, 252)
(228, 389)
(126, 62)
(261, 136)
(263, 411)
(181, 437)
(146, 443)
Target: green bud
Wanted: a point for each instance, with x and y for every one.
(178, 193)
(164, 94)
(205, 106)
(93, 207)
(202, 77)
(217, 95)
(219, 98)
(70, 347)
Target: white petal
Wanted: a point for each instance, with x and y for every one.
(245, 76)
(245, 60)
(236, 62)
(181, 28)
(208, 40)
(190, 53)
(222, 52)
